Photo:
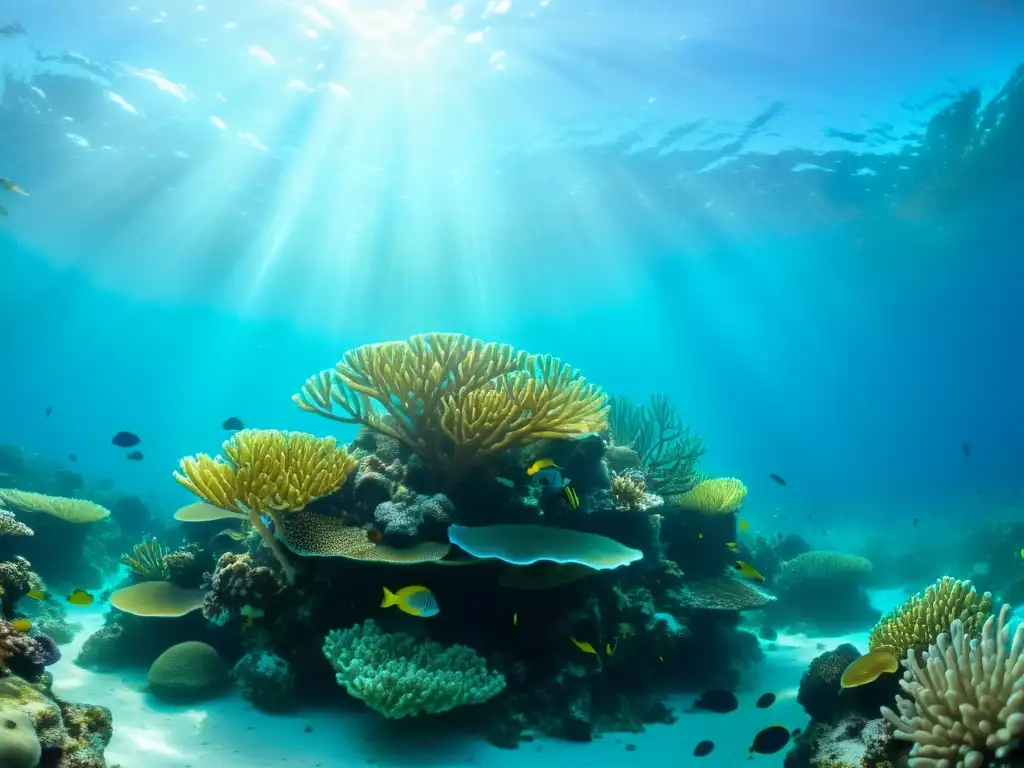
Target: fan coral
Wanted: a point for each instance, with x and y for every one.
(919, 621)
(965, 703)
(401, 676)
(236, 582)
(668, 451)
(714, 496)
(455, 400)
(821, 565)
(10, 526)
(268, 472)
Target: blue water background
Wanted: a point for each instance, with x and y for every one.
(637, 192)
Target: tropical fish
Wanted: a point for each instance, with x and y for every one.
(49, 410)
(80, 597)
(869, 667)
(126, 439)
(609, 649)
(583, 646)
(747, 571)
(778, 479)
(515, 619)
(233, 424)
(135, 456)
(744, 526)
(21, 625)
(540, 464)
(770, 740)
(717, 700)
(700, 535)
(703, 748)
(73, 457)
(10, 30)
(571, 497)
(10, 186)
(37, 594)
(766, 701)
(416, 601)
(732, 546)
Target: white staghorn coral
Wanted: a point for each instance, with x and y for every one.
(967, 703)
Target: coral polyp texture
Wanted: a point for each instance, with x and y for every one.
(964, 705)
(268, 472)
(821, 565)
(11, 526)
(68, 510)
(920, 620)
(456, 400)
(714, 496)
(402, 676)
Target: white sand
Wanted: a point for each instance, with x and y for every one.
(230, 732)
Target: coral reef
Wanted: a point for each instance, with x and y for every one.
(822, 591)
(267, 680)
(147, 560)
(236, 582)
(405, 517)
(964, 702)
(400, 676)
(189, 671)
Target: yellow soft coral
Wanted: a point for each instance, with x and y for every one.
(456, 400)
(920, 620)
(715, 496)
(268, 472)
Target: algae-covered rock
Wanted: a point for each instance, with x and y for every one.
(19, 744)
(69, 735)
(267, 680)
(189, 671)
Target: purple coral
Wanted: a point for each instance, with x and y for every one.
(406, 517)
(26, 655)
(236, 582)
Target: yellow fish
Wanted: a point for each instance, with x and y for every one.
(515, 619)
(744, 526)
(869, 667)
(732, 546)
(80, 597)
(538, 465)
(21, 625)
(583, 646)
(416, 601)
(747, 571)
(37, 594)
(609, 649)
(12, 187)
(571, 497)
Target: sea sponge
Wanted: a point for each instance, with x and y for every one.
(315, 535)
(68, 510)
(189, 671)
(920, 620)
(821, 565)
(19, 744)
(11, 526)
(455, 400)
(714, 496)
(268, 472)
(402, 676)
(965, 703)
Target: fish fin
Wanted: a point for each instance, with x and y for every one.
(571, 497)
(390, 598)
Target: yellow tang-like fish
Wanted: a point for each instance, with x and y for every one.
(540, 464)
(80, 597)
(747, 571)
(583, 645)
(37, 594)
(21, 625)
(744, 525)
(732, 546)
(416, 601)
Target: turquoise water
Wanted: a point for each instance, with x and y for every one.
(798, 222)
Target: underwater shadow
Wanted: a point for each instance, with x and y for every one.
(416, 741)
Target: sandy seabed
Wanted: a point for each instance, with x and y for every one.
(229, 732)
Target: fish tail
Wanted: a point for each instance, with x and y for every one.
(390, 598)
(571, 497)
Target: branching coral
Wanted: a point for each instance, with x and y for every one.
(920, 620)
(965, 703)
(268, 472)
(401, 676)
(668, 450)
(147, 560)
(456, 400)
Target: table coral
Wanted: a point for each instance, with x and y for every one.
(402, 676)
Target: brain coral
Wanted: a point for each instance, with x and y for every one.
(402, 676)
(189, 671)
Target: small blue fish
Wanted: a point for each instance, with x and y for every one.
(549, 476)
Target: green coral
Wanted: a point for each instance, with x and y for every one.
(402, 676)
(668, 450)
(189, 671)
(821, 565)
(147, 560)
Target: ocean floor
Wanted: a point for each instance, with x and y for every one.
(229, 731)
